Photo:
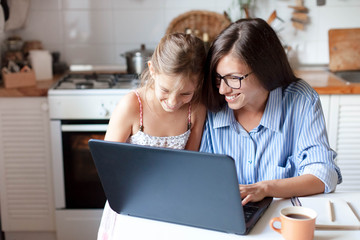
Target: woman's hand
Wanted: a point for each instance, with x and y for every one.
(304, 185)
(253, 192)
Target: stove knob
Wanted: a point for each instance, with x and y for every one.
(104, 112)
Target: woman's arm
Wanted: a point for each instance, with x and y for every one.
(122, 119)
(304, 185)
(314, 155)
(199, 116)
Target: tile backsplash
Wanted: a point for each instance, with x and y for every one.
(99, 31)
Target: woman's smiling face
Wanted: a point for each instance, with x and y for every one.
(250, 89)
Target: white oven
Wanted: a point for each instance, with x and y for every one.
(80, 107)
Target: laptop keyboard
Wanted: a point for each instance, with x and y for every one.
(249, 211)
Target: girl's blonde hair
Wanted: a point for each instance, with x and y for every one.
(181, 55)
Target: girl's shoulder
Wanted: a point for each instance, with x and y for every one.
(199, 108)
(198, 111)
(129, 104)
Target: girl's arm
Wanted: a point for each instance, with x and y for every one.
(198, 119)
(303, 185)
(123, 118)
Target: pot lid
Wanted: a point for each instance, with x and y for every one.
(140, 52)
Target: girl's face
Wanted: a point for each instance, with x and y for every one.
(173, 92)
(248, 94)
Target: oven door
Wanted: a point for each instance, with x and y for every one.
(77, 185)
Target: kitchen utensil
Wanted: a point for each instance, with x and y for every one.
(15, 56)
(320, 2)
(57, 66)
(13, 43)
(275, 22)
(344, 49)
(299, 17)
(136, 59)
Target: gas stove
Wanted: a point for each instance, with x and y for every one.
(90, 95)
(94, 82)
(80, 106)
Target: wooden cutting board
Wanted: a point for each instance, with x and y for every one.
(344, 49)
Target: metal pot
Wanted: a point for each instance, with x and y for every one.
(136, 60)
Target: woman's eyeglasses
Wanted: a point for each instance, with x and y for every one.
(232, 80)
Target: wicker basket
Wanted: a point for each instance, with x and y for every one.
(199, 22)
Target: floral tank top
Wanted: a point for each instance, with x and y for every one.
(175, 142)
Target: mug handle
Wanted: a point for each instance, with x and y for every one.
(272, 221)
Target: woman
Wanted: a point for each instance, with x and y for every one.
(264, 117)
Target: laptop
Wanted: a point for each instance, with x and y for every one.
(177, 186)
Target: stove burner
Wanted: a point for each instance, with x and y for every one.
(95, 81)
(109, 81)
(127, 77)
(84, 85)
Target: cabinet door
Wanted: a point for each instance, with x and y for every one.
(344, 129)
(25, 172)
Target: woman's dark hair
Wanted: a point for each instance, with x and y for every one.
(256, 44)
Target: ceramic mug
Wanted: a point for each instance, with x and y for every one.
(297, 223)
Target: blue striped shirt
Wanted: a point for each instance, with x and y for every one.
(291, 139)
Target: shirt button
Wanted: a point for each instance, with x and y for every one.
(249, 161)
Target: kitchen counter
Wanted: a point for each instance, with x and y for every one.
(322, 81)
(325, 82)
(40, 90)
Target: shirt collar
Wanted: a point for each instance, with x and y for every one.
(273, 110)
(224, 117)
(270, 119)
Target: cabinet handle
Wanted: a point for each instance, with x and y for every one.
(84, 127)
(44, 106)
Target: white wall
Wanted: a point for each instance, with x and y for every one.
(98, 31)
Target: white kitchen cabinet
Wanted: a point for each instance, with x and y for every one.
(342, 116)
(344, 132)
(27, 202)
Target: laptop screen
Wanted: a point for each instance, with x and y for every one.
(177, 186)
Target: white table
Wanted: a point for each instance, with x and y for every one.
(137, 228)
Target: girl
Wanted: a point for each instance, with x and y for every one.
(166, 110)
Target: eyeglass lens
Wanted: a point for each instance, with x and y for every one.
(230, 80)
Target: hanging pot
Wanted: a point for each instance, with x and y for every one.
(136, 60)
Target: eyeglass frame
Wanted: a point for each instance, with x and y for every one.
(233, 76)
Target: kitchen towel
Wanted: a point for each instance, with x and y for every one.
(18, 11)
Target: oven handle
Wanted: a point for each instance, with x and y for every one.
(84, 127)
